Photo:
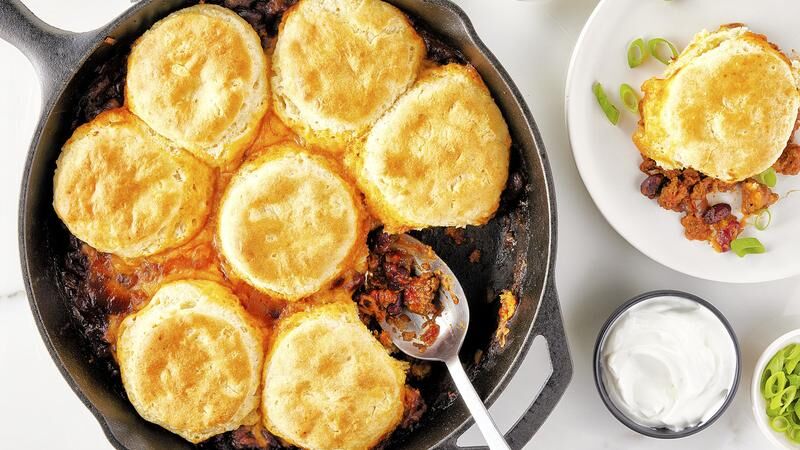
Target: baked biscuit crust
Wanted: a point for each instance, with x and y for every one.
(289, 223)
(439, 157)
(328, 383)
(339, 65)
(123, 189)
(726, 107)
(199, 78)
(191, 360)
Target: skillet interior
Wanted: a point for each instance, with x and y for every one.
(516, 249)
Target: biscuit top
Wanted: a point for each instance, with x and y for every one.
(328, 383)
(123, 189)
(191, 360)
(439, 157)
(726, 107)
(339, 64)
(288, 223)
(199, 77)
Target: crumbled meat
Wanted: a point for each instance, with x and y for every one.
(696, 228)
(756, 197)
(789, 162)
(391, 285)
(420, 293)
(674, 195)
(430, 334)
(687, 191)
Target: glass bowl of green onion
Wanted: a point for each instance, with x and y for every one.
(775, 391)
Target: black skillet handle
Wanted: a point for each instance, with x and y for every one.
(54, 53)
(549, 325)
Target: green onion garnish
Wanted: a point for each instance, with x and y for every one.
(775, 385)
(637, 53)
(746, 246)
(768, 178)
(611, 111)
(779, 388)
(629, 98)
(779, 424)
(763, 219)
(654, 44)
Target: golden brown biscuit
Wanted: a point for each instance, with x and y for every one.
(191, 360)
(289, 223)
(726, 106)
(339, 64)
(328, 383)
(123, 189)
(199, 77)
(439, 157)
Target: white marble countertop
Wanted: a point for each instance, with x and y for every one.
(533, 40)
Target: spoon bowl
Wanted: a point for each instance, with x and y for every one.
(453, 321)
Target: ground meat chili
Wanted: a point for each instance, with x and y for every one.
(100, 290)
(686, 191)
(391, 284)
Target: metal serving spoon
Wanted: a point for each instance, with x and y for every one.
(453, 323)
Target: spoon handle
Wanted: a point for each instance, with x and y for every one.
(475, 405)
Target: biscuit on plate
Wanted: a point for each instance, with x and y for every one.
(339, 64)
(289, 223)
(123, 189)
(199, 77)
(191, 360)
(726, 106)
(328, 383)
(439, 157)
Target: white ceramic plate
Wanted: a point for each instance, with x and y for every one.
(759, 405)
(609, 162)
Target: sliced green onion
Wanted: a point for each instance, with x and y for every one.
(779, 424)
(794, 380)
(791, 364)
(776, 363)
(794, 435)
(637, 53)
(609, 109)
(791, 351)
(768, 178)
(787, 397)
(775, 385)
(629, 98)
(654, 44)
(747, 246)
(763, 219)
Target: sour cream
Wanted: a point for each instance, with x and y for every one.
(668, 362)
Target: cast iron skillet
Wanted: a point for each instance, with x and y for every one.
(519, 246)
